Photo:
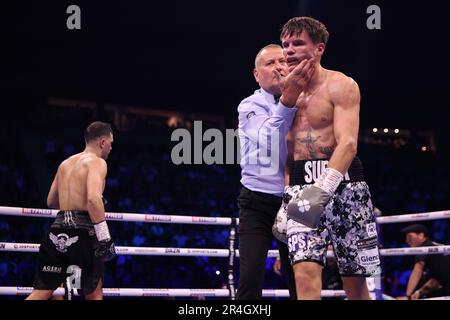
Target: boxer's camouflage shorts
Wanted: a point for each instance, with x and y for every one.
(349, 225)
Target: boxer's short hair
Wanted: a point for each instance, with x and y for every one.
(315, 29)
(96, 130)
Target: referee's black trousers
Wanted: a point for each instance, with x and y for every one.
(257, 212)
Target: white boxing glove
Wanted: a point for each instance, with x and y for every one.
(279, 227)
(308, 207)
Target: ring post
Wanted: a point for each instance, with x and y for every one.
(231, 256)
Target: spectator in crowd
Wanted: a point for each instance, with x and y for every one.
(431, 273)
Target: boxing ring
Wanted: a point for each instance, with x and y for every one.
(374, 283)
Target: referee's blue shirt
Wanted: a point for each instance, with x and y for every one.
(263, 126)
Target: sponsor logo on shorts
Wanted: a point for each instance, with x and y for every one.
(156, 217)
(204, 219)
(314, 168)
(368, 243)
(51, 269)
(62, 241)
(297, 242)
(368, 258)
(371, 229)
(44, 212)
(73, 277)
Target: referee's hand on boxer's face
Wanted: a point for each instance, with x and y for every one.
(296, 81)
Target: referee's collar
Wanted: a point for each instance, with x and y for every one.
(270, 97)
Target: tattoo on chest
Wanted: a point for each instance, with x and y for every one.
(308, 142)
(328, 151)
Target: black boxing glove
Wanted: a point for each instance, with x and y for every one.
(105, 249)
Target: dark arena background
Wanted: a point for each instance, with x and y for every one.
(151, 67)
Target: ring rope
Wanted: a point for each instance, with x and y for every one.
(165, 292)
(220, 253)
(119, 216)
(161, 218)
(154, 251)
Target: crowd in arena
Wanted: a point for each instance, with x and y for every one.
(142, 179)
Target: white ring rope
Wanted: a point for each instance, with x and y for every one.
(118, 216)
(161, 218)
(140, 251)
(415, 251)
(220, 253)
(434, 215)
(163, 292)
(145, 251)
(155, 251)
(437, 298)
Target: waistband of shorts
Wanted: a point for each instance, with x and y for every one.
(308, 171)
(73, 219)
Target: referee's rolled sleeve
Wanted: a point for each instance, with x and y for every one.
(283, 111)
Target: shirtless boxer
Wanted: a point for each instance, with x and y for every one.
(327, 199)
(78, 241)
